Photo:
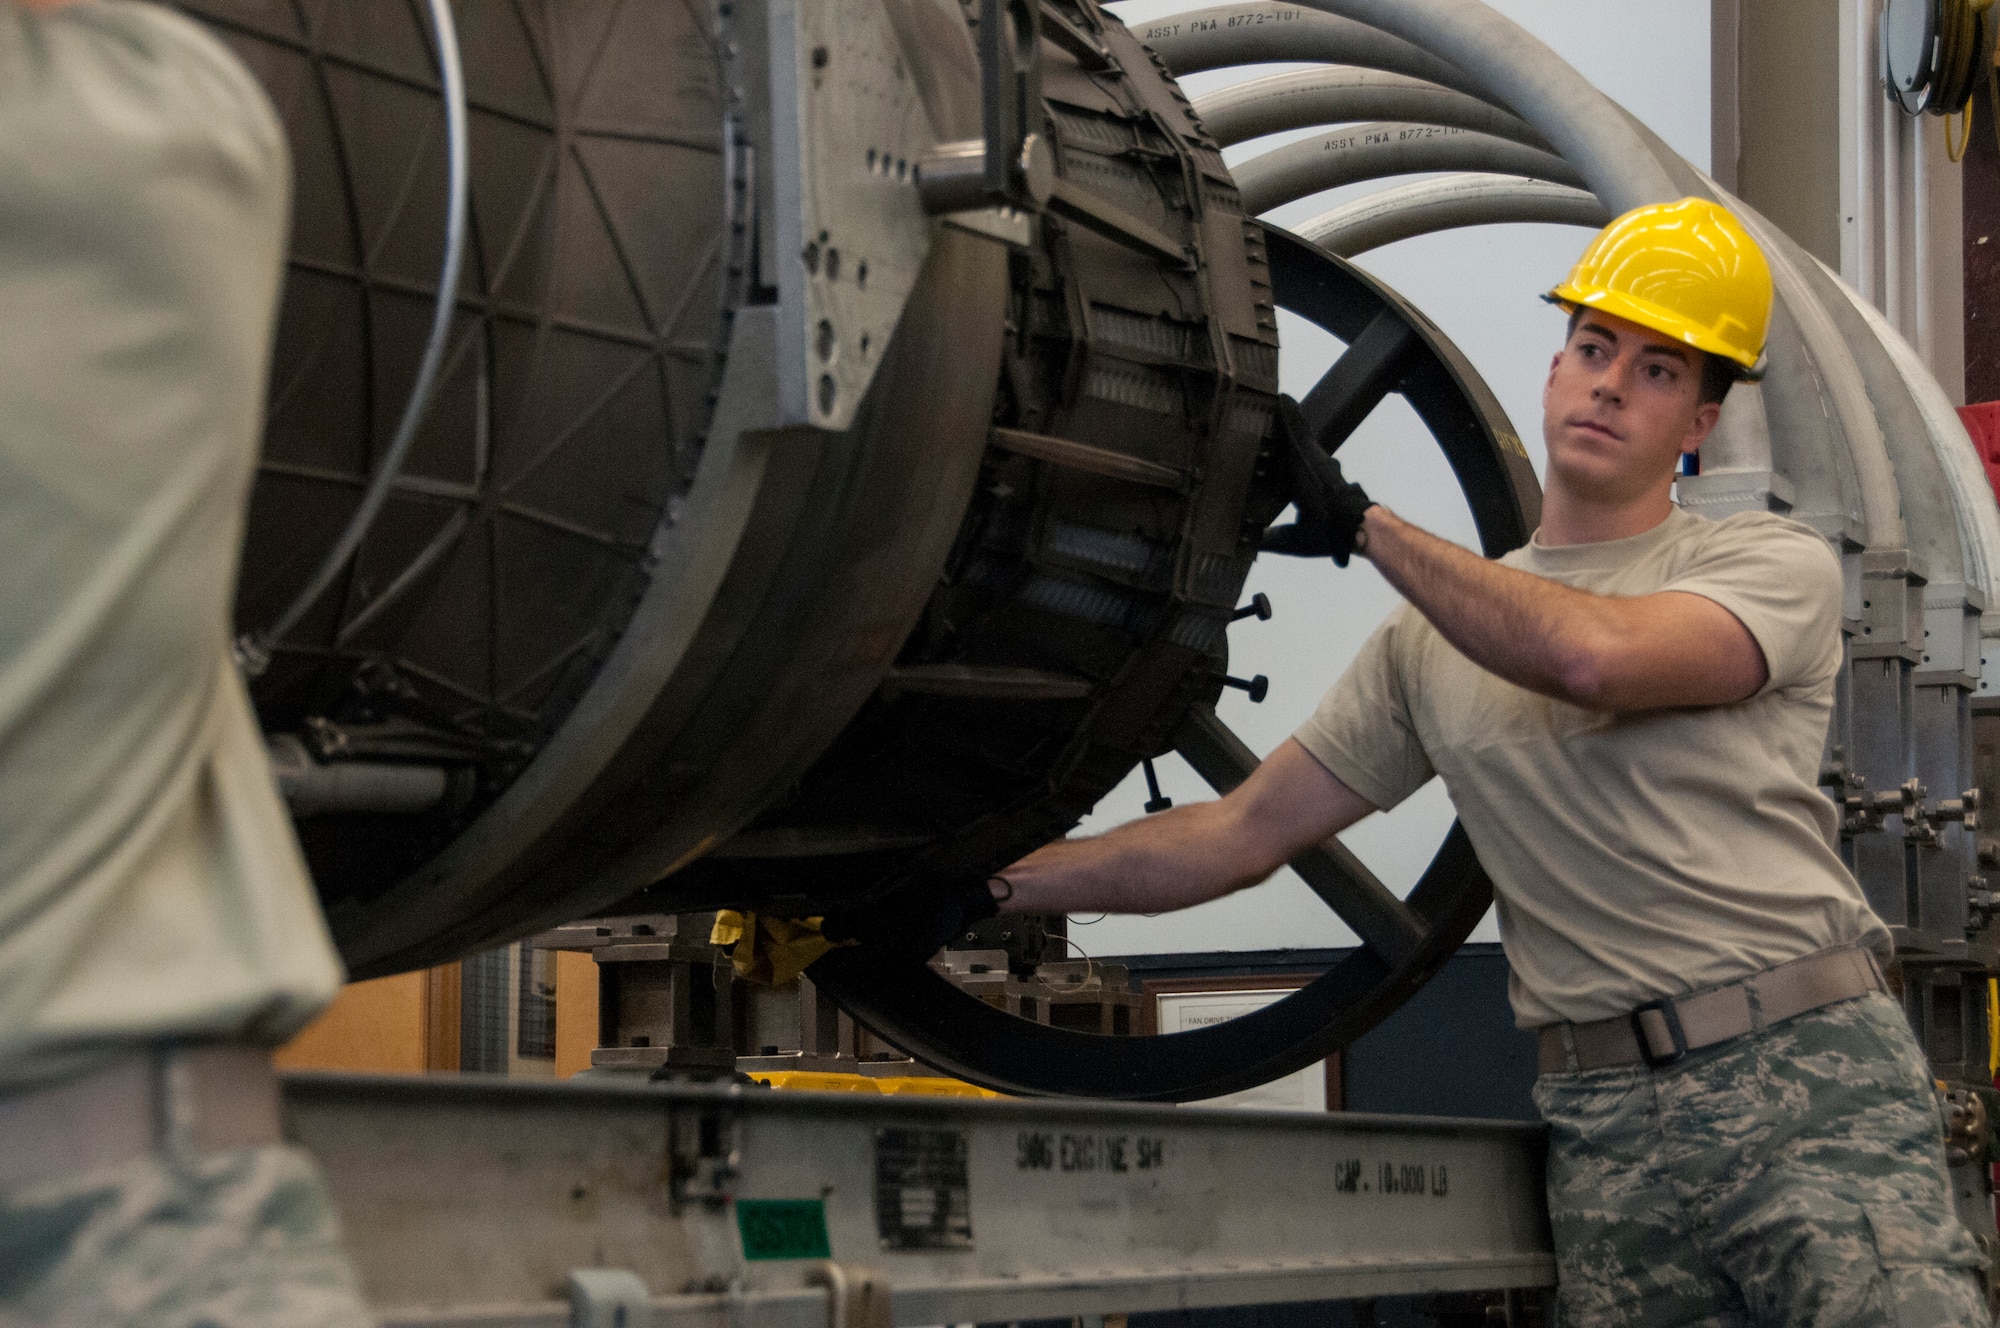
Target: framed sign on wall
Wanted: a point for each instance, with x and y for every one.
(1176, 1005)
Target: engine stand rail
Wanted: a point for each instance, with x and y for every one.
(474, 1203)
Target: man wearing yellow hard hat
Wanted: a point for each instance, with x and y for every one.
(1629, 714)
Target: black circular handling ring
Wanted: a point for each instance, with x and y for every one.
(1391, 348)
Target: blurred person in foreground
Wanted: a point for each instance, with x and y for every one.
(158, 933)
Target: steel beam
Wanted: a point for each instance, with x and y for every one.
(468, 1202)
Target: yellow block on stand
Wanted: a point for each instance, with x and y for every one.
(818, 1081)
(934, 1086)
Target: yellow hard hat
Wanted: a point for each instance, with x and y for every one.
(1688, 269)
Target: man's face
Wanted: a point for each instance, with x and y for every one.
(1621, 405)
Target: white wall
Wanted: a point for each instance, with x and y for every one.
(1480, 286)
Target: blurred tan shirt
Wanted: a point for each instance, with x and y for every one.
(1633, 855)
(150, 885)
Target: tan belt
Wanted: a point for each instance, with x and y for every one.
(200, 1098)
(1659, 1033)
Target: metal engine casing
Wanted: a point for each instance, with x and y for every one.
(663, 636)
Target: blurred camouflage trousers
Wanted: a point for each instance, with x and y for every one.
(233, 1238)
(1790, 1176)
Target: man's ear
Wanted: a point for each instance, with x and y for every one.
(1705, 416)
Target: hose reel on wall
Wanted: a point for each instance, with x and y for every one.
(1935, 54)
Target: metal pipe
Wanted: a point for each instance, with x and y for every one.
(313, 788)
(1910, 443)
(1518, 71)
(1427, 206)
(1340, 94)
(1971, 492)
(1353, 153)
(254, 650)
(1482, 53)
(1869, 483)
(1264, 33)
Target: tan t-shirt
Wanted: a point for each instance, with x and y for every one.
(150, 886)
(1633, 855)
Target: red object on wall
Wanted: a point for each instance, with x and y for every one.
(1983, 423)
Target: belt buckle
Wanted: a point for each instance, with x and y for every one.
(1671, 1017)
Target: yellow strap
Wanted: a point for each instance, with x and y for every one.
(1993, 1028)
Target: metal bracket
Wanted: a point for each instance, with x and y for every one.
(703, 1156)
(1965, 1127)
(994, 184)
(1950, 644)
(1010, 81)
(1864, 812)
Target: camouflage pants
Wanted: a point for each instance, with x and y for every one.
(1792, 1176)
(236, 1238)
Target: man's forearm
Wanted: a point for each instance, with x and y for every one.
(1180, 857)
(1528, 630)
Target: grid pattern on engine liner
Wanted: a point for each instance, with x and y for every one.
(570, 409)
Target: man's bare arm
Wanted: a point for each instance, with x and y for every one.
(1601, 652)
(1192, 853)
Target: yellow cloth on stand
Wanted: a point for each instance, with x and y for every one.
(772, 951)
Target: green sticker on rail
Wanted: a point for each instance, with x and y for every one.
(783, 1228)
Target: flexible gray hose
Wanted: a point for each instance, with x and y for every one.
(1482, 52)
(1263, 33)
(1408, 210)
(254, 652)
(1907, 441)
(1352, 153)
(1522, 74)
(1340, 94)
